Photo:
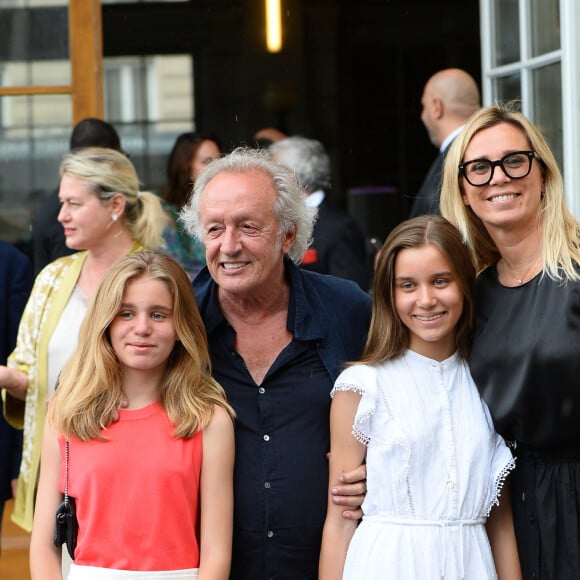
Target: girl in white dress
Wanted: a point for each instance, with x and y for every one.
(409, 407)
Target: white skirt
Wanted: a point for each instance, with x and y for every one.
(94, 573)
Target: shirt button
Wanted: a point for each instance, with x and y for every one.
(267, 485)
(270, 534)
(261, 390)
(266, 437)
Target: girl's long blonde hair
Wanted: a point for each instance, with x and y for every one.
(90, 387)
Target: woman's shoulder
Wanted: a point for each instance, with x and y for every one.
(487, 276)
(57, 269)
(354, 377)
(364, 378)
(220, 418)
(64, 262)
(219, 430)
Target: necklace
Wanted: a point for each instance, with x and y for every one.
(520, 279)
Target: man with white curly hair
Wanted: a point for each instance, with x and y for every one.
(277, 336)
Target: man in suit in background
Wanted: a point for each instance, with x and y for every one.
(449, 98)
(339, 245)
(48, 242)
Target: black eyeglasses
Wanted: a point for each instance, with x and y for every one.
(516, 165)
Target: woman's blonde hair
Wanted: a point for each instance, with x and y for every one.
(560, 231)
(388, 336)
(90, 387)
(107, 172)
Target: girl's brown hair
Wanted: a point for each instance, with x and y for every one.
(388, 337)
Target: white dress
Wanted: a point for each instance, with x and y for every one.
(435, 468)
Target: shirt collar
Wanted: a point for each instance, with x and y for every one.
(304, 320)
(449, 138)
(315, 198)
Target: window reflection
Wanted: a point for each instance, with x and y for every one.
(149, 100)
(137, 1)
(32, 3)
(547, 99)
(506, 31)
(545, 15)
(31, 147)
(35, 73)
(34, 48)
(507, 88)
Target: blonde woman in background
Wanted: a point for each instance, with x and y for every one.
(105, 215)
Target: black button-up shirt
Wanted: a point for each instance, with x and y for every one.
(282, 425)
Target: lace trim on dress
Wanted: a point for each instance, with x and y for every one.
(347, 387)
(498, 485)
(360, 436)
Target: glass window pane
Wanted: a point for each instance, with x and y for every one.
(545, 16)
(34, 135)
(140, 96)
(34, 43)
(35, 73)
(137, 1)
(112, 90)
(32, 3)
(507, 88)
(506, 32)
(547, 105)
(150, 102)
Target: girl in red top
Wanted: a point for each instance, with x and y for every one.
(152, 481)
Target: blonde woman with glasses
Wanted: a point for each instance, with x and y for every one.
(502, 188)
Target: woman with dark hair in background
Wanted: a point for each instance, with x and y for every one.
(190, 153)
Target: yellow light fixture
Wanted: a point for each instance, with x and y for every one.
(274, 25)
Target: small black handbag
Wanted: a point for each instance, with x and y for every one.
(67, 525)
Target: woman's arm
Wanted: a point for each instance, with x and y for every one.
(350, 492)
(346, 453)
(217, 497)
(45, 557)
(502, 538)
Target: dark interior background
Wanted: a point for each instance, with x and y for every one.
(351, 74)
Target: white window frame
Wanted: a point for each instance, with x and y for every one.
(569, 57)
(570, 24)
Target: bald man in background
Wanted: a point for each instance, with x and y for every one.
(449, 99)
